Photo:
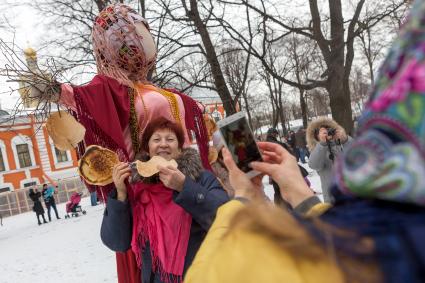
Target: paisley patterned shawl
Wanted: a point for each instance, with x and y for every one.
(387, 159)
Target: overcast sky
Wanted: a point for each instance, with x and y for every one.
(26, 33)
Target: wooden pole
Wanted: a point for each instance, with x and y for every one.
(8, 202)
(17, 202)
(26, 201)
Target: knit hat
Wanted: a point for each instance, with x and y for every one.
(387, 159)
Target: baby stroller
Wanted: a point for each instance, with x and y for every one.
(73, 206)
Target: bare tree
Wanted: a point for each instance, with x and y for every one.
(301, 55)
(359, 89)
(194, 15)
(334, 37)
(236, 66)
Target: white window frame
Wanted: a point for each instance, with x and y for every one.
(22, 139)
(8, 185)
(57, 164)
(4, 154)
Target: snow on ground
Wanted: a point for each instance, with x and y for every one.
(313, 178)
(66, 250)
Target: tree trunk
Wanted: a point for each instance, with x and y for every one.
(101, 4)
(143, 7)
(212, 59)
(303, 106)
(248, 112)
(338, 87)
(282, 116)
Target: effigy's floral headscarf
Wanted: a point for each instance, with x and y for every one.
(117, 46)
(387, 159)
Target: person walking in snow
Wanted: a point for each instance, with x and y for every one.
(49, 200)
(35, 195)
(301, 145)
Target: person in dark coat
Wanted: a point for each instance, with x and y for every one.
(49, 200)
(292, 140)
(163, 218)
(35, 195)
(301, 144)
(272, 135)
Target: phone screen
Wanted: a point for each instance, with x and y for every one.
(240, 142)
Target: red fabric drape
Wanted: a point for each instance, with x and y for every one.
(127, 269)
(103, 107)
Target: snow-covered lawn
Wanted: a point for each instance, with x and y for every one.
(65, 250)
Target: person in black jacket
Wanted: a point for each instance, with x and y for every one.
(163, 218)
(272, 135)
(35, 195)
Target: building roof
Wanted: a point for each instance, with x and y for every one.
(204, 95)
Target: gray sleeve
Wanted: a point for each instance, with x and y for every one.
(319, 156)
(116, 225)
(348, 142)
(306, 205)
(342, 147)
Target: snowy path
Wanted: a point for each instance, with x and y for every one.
(65, 250)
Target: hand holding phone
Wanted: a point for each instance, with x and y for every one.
(240, 141)
(244, 187)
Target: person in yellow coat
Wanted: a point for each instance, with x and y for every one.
(375, 230)
(253, 241)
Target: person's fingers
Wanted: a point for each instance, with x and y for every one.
(121, 165)
(165, 170)
(123, 177)
(268, 146)
(172, 168)
(163, 179)
(122, 171)
(263, 167)
(115, 168)
(272, 157)
(273, 147)
(228, 160)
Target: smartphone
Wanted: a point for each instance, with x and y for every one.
(240, 141)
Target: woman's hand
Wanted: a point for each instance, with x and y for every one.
(244, 187)
(283, 168)
(340, 135)
(120, 172)
(172, 177)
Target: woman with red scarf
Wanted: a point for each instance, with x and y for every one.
(164, 218)
(120, 101)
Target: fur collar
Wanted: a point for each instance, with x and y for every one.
(189, 163)
(315, 124)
